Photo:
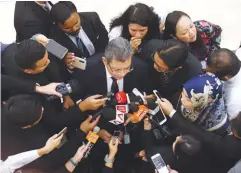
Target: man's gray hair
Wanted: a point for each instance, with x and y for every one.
(118, 49)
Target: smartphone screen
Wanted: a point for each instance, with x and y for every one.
(159, 163)
(115, 136)
(56, 49)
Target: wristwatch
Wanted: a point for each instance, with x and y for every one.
(108, 160)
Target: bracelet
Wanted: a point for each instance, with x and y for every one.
(108, 160)
(72, 162)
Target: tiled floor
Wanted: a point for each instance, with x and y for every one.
(225, 13)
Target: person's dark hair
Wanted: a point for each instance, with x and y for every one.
(188, 146)
(172, 19)
(28, 53)
(173, 52)
(22, 110)
(61, 11)
(236, 124)
(139, 14)
(225, 62)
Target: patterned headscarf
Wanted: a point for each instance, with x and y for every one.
(205, 93)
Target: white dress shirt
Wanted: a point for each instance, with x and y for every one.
(120, 83)
(85, 39)
(17, 161)
(232, 95)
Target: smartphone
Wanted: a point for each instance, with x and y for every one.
(157, 94)
(62, 132)
(115, 136)
(159, 163)
(80, 63)
(56, 49)
(161, 118)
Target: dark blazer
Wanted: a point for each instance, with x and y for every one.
(94, 29)
(51, 73)
(15, 141)
(30, 19)
(93, 79)
(191, 68)
(226, 149)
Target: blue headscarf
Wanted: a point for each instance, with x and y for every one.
(205, 93)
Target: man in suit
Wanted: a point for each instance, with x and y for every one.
(29, 60)
(24, 119)
(83, 34)
(116, 71)
(32, 17)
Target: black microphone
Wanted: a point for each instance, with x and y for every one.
(110, 103)
(65, 89)
(135, 99)
(158, 118)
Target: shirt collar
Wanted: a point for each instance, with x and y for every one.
(236, 77)
(108, 75)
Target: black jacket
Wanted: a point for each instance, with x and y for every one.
(191, 68)
(16, 140)
(94, 29)
(51, 73)
(226, 149)
(30, 19)
(93, 79)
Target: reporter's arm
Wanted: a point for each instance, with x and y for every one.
(228, 146)
(57, 158)
(19, 160)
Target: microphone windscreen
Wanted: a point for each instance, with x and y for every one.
(74, 84)
(109, 113)
(151, 104)
(121, 97)
(134, 98)
(133, 107)
(96, 129)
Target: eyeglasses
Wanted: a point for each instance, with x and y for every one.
(120, 71)
(164, 75)
(160, 69)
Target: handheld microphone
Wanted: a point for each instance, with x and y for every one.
(121, 98)
(110, 102)
(138, 93)
(127, 139)
(140, 113)
(92, 138)
(65, 89)
(135, 99)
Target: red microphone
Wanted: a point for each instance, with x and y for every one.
(121, 98)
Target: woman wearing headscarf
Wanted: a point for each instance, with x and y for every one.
(202, 103)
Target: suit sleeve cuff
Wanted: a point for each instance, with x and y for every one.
(172, 113)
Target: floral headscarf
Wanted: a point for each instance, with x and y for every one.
(205, 93)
